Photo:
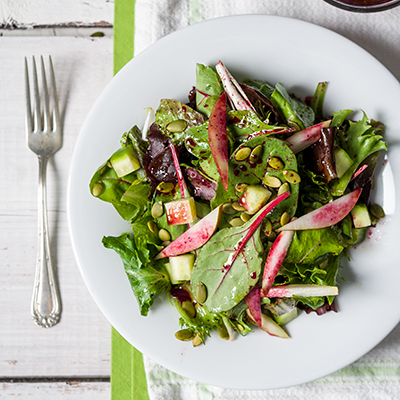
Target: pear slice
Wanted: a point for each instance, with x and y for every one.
(276, 255)
(306, 137)
(270, 326)
(327, 215)
(218, 137)
(194, 237)
(302, 291)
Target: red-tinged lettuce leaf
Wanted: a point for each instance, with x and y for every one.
(148, 280)
(359, 140)
(171, 110)
(246, 124)
(224, 291)
(246, 172)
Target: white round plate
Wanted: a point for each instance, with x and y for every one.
(273, 49)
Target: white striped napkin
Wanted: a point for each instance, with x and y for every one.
(377, 374)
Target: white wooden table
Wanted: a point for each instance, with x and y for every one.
(72, 359)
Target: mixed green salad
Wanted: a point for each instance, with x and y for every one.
(242, 203)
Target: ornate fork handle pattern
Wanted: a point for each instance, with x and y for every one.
(45, 307)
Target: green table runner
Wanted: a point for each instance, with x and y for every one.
(128, 379)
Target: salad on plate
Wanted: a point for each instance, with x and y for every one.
(242, 203)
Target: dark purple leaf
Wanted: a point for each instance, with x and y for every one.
(320, 156)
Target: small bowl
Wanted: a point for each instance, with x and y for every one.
(364, 6)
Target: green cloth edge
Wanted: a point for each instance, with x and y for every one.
(128, 377)
(124, 32)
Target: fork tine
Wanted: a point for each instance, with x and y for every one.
(56, 113)
(46, 108)
(28, 116)
(36, 112)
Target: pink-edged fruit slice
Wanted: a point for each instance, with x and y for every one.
(218, 138)
(252, 300)
(269, 325)
(301, 291)
(306, 137)
(194, 237)
(327, 215)
(275, 258)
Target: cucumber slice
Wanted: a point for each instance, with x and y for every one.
(124, 161)
(180, 268)
(342, 161)
(360, 215)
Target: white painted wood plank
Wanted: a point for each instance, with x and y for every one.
(56, 11)
(56, 390)
(80, 344)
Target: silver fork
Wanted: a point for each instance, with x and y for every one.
(44, 138)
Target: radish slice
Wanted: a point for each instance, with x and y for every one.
(194, 237)
(305, 138)
(218, 138)
(327, 215)
(235, 93)
(252, 300)
(302, 291)
(275, 258)
(270, 326)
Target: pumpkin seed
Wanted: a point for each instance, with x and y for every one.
(285, 218)
(239, 327)
(236, 222)
(97, 189)
(109, 165)
(197, 341)
(223, 333)
(284, 188)
(377, 211)
(292, 176)
(157, 210)
(245, 216)
(308, 210)
(272, 181)
(238, 207)
(276, 163)
(152, 226)
(103, 170)
(240, 187)
(177, 126)
(256, 154)
(184, 335)
(164, 235)
(267, 227)
(166, 243)
(228, 209)
(188, 308)
(201, 293)
(242, 153)
(165, 187)
(294, 125)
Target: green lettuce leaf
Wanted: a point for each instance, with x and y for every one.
(148, 280)
(359, 140)
(208, 88)
(291, 108)
(309, 245)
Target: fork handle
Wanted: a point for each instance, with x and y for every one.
(45, 306)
